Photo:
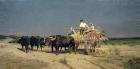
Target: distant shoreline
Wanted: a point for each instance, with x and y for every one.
(116, 38)
(113, 38)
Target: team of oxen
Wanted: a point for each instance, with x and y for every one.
(56, 42)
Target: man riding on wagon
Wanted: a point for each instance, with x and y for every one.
(83, 26)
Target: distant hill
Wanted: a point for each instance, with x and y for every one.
(2, 37)
(113, 38)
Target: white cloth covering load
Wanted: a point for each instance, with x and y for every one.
(72, 29)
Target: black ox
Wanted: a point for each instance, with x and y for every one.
(37, 41)
(25, 42)
(58, 42)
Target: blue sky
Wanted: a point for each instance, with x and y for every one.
(118, 18)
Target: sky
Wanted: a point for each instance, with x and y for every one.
(118, 18)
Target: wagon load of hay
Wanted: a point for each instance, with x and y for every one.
(87, 36)
(78, 37)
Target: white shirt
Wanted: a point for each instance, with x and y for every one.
(83, 24)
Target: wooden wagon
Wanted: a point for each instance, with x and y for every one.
(87, 39)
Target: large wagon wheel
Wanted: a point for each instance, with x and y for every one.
(89, 38)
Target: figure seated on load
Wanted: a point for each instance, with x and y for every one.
(83, 26)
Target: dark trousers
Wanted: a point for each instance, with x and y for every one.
(82, 30)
